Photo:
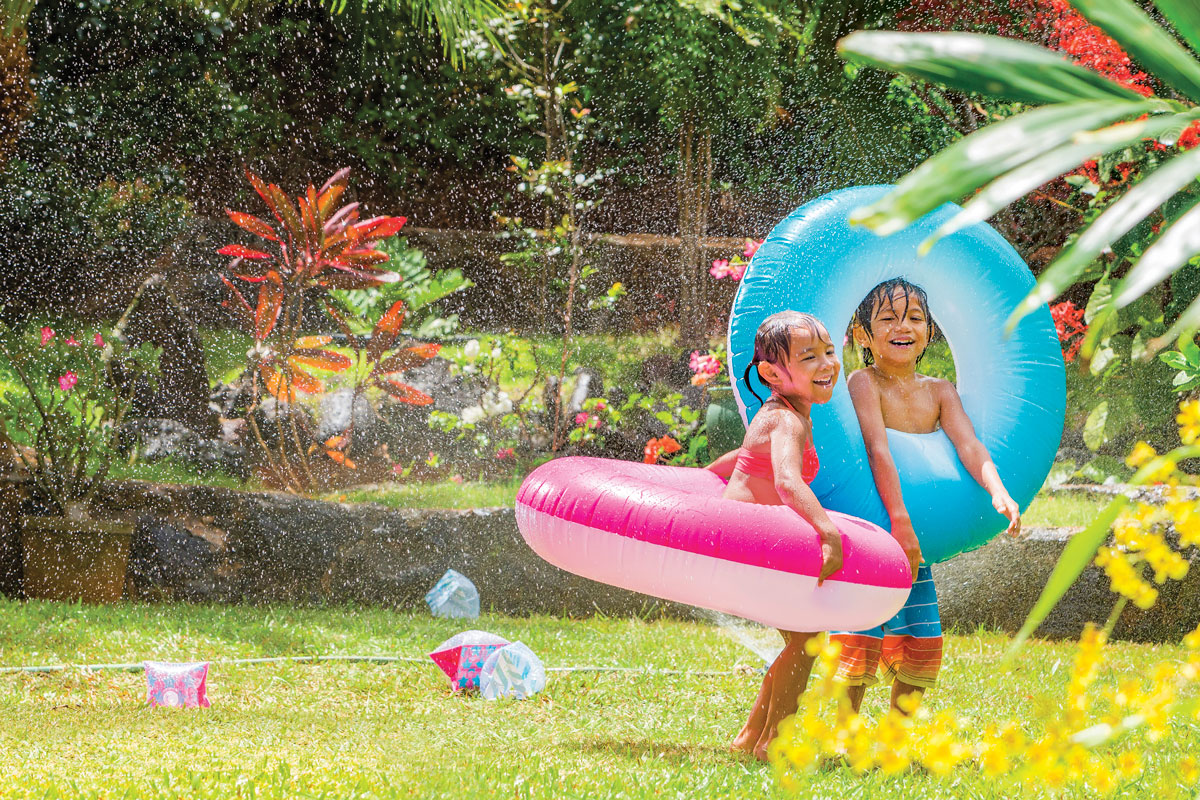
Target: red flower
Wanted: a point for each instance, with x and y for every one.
(581, 418)
(70, 342)
(67, 381)
(99, 340)
(1070, 327)
(47, 335)
(505, 453)
(1190, 137)
(658, 447)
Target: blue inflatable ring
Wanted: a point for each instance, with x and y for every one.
(1012, 387)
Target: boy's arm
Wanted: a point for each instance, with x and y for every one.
(787, 462)
(974, 455)
(883, 468)
(724, 465)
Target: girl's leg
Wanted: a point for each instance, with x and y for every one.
(790, 677)
(748, 736)
(902, 689)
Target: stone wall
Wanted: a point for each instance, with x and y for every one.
(222, 545)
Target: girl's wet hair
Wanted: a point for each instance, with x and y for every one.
(773, 338)
(882, 297)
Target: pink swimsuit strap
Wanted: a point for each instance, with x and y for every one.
(758, 465)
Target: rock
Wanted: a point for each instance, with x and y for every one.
(335, 417)
(156, 439)
(588, 383)
(997, 586)
(168, 557)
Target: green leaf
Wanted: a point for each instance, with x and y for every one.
(972, 161)
(1075, 558)
(1046, 166)
(1147, 44)
(1185, 16)
(1189, 350)
(1174, 248)
(992, 65)
(1103, 357)
(1173, 359)
(1121, 217)
(1093, 430)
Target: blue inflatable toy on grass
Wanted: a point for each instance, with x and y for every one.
(1013, 387)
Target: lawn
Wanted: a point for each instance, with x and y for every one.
(338, 730)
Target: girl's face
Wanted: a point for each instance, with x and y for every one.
(899, 331)
(810, 370)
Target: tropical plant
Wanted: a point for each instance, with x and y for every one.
(62, 419)
(1080, 116)
(317, 248)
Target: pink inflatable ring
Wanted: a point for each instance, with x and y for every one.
(667, 532)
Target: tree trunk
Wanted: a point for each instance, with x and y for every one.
(695, 183)
(16, 97)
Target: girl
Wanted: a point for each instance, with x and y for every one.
(795, 356)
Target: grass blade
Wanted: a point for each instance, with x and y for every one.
(1147, 43)
(992, 65)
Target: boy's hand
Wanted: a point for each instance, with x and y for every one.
(831, 555)
(903, 533)
(1009, 508)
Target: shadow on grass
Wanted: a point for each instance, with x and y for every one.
(639, 749)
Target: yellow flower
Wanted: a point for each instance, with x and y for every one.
(1189, 421)
(1142, 453)
(1129, 763)
(1189, 770)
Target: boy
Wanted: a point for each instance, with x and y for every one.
(893, 328)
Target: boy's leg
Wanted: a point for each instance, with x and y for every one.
(912, 651)
(857, 663)
(789, 676)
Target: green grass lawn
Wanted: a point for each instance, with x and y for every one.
(338, 730)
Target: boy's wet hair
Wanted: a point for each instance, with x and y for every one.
(882, 297)
(773, 338)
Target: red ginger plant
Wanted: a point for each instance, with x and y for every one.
(310, 248)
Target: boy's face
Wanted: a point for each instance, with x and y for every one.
(810, 370)
(899, 330)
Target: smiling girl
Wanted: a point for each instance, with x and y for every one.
(794, 355)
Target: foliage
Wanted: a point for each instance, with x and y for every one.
(317, 247)
(418, 288)
(1082, 114)
(63, 421)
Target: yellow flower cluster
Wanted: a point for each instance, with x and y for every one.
(1078, 749)
(1189, 421)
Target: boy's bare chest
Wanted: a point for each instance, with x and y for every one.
(910, 408)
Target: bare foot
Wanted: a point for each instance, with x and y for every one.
(744, 742)
(760, 749)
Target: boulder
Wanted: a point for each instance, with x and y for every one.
(156, 439)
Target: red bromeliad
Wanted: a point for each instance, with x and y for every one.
(313, 246)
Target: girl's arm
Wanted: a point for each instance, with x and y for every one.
(883, 468)
(725, 464)
(974, 455)
(787, 461)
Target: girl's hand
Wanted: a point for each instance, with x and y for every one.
(831, 554)
(902, 532)
(1009, 508)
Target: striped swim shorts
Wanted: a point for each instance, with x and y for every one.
(909, 645)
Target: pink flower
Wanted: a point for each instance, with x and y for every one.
(601, 405)
(67, 381)
(581, 418)
(752, 246)
(99, 340)
(47, 335)
(720, 268)
(456, 478)
(70, 342)
(505, 453)
(737, 270)
(704, 364)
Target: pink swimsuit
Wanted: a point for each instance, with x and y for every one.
(758, 465)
